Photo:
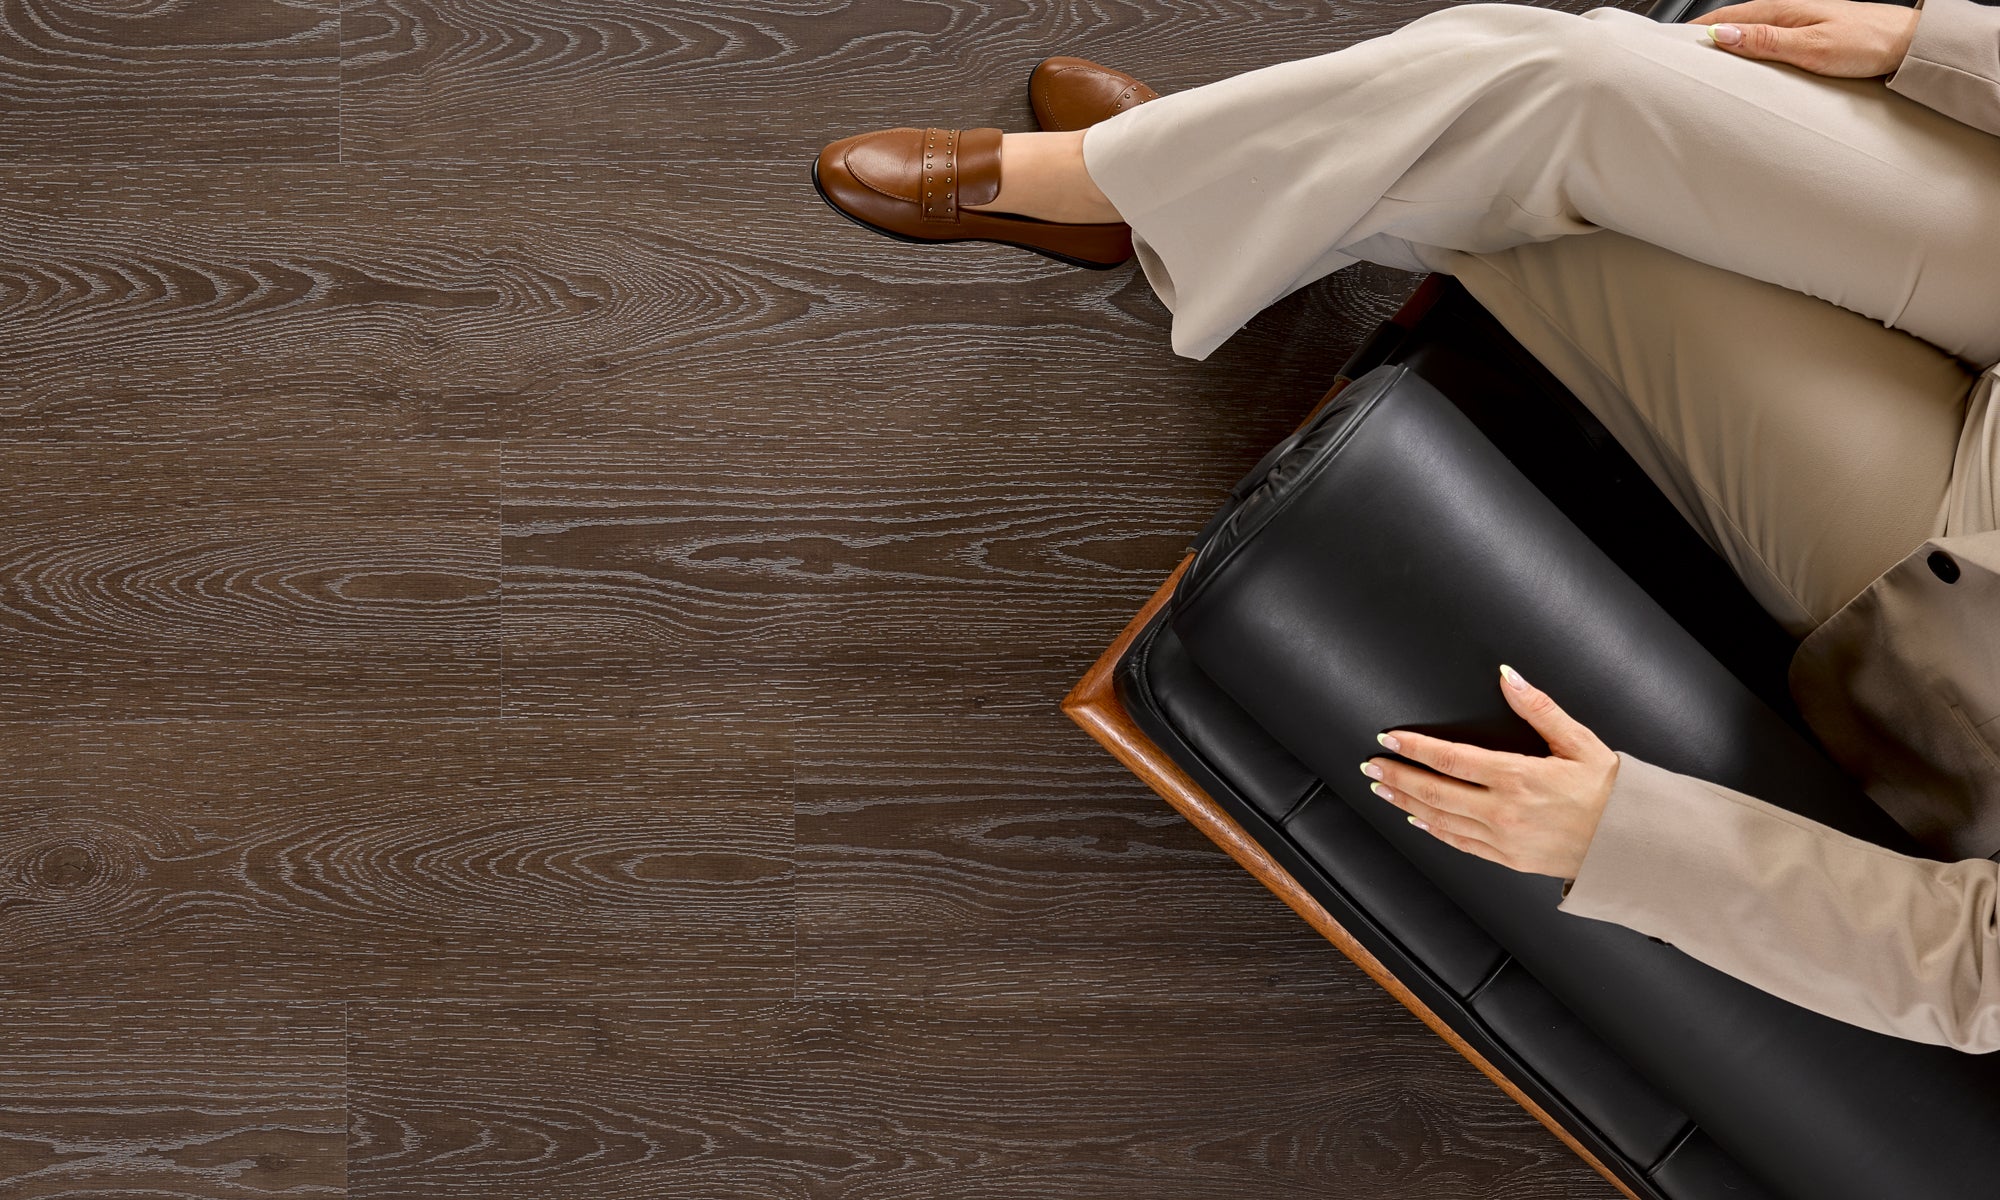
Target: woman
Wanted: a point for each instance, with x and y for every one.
(1786, 309)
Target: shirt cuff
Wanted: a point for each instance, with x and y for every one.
(1642, 830)
(1953, 64)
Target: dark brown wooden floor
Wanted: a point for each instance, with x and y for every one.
(529, 649)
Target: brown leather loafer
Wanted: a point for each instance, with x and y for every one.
(914, 184)
(1075, 93)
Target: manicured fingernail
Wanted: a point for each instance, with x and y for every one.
(1513, 677)
(1381, 790)
(1389, 740)
(1727, 35)
(1371, 770)
(1417, 823)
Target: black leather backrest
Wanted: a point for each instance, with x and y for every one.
(1379, 570)
(1376, 581)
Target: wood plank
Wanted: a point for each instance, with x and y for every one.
(624, 79)
(727, 575)
(557, 1099)
(180, 1101)
(350, 303)
(222, 80)
(627, 80)
(292, 711)
(299, 580)
(289, 861)
(1281, 1098)
(972, 856)
(869, 1100)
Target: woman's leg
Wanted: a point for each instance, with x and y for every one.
(1484, 126)
(1811, 446)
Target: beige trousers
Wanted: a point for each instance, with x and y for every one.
(1784, 308)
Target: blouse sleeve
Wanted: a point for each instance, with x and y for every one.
(1953, 64)
(1902, 945)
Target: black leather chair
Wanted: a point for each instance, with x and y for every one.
(1451, 506)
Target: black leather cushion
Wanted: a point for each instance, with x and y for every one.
(1403, 920)
(1546, 1036)
(1376, 579)
(1391, 559)
(1699, 1170)
(1260, 770)
(1425, 920)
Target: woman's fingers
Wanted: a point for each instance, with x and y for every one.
(1775, 30)
(1727, 13)
(1472, 845)
(1804, 46)
(1841, 38)
(1440, 805)
(1566, 736)
(1438, 801)
(1453, 796)
(1525, 812)
(1475, 764)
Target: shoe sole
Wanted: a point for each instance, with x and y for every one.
(1085, 263)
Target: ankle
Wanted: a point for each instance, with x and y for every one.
(1042, 176)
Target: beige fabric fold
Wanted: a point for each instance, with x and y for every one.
(1913, 948)
(1953, 64)
(1482, 126)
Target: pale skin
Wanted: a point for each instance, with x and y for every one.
(1531, 813)
(1847, 39)
(1527, 812)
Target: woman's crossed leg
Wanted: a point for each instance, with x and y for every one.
(1484, 126)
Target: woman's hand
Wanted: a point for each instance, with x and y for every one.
(1531, 814)
(1849, 39)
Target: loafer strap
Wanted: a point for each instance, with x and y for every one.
(960, 166)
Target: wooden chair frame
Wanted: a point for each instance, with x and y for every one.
(1093, 703)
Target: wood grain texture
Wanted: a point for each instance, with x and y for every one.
(820, 575)
(503, 594)
(286, 861)
(623, 79)
(971, 856)
(553, 301)
(300, 581)
(542, 79)
(147, 82)
(870, 1100)
(172, 1102)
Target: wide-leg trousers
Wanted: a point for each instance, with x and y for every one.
(1780, 291)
